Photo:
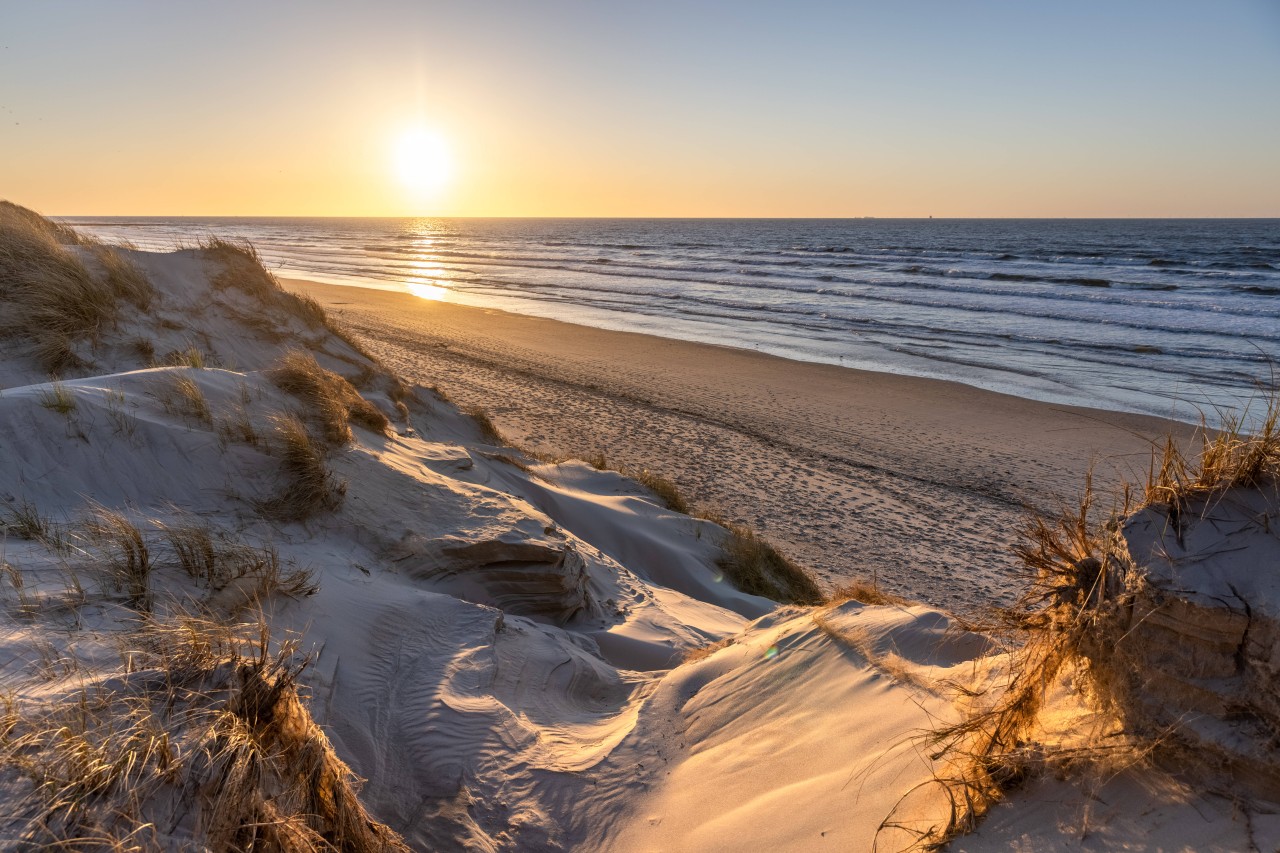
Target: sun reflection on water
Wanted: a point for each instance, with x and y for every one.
(427, 290)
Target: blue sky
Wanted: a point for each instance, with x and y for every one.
(658, 108)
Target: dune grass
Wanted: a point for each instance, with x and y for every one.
(23, 520)
(188, 399)
(192, 356)
(488, 430)
(1073, 619)
(51, 296)
(126, 555)
(125, 279)
(242, 269)
(58, 399)
(308, 486)
(867, 593)
(756, 566)
(217, 561)
(202, 741)
(329, 398)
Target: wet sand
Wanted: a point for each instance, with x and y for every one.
(917, 483)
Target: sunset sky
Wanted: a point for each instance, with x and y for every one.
(1118, 108)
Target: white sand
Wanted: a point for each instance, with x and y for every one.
(447, 668)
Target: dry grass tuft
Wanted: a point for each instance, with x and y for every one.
(331, 399)
(704, 652)
(238, 427)
(25, 522)
(58, 399)
(46, 291)
(188, 399)
(488, 430)
(309, 487)
(192, 356)
(125, 278)
(867, 593)
(1072, 620)
(242, 269)
(128, 557)
(203, 742)
(1227, 457)
(755, 566)
(662, 487)
(144, 350)
(219, 562)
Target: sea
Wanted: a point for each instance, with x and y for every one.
(1176, 318)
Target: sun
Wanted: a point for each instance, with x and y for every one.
(422, 160)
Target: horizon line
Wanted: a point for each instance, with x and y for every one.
(668, 218)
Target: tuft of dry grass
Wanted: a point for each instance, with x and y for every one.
(1227, 457)
(242, 269)
(192, 356)
(144, 350)
(238, 427)
(47, 292)
(704, 652)
(755, 566)
(1073, 618)
(309, 487)
(330, 399)
(58, 399)
(128, 557)
(125, 278)
(203, 741)
(488, 430)
(26, 522)
(662, 487)
(191, 400)
(867, 593)
(217, 562)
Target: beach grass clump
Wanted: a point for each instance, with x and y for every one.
(190, 400)
(703, 652)
(1066, 623)
(1225, 458)
(126, 280)
(48, 294)
(329, 398)
(242, 269)
(666, 490)
(867, 593)
(202, 741)
(192, 356)
(26, 522)
(487, 427)
(1073, 619)
(308, 487)
(217, 561)
(58, 399)
(755, 566)
(127, 557)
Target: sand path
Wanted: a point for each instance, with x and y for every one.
(918, 483)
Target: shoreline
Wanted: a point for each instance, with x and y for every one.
(917, 483)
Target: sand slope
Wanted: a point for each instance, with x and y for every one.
(498, 646)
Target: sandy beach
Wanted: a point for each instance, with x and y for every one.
(917, 483)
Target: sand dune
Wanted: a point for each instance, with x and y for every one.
(225, 598)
